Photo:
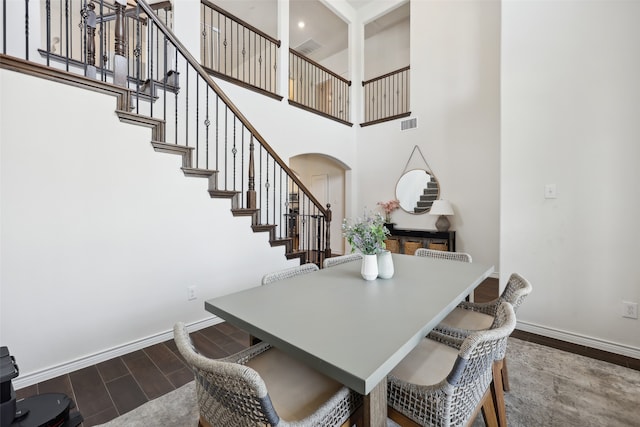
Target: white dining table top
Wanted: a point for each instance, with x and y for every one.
(353, 330)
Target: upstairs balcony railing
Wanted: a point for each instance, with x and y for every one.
(172, 93)
(75, 35)
(318, 89)
(234, 50)
(386, 97)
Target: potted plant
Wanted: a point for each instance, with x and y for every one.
(367, 235)
(389, 207)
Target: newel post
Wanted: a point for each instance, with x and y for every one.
(327, 251)
(251, 191)
(120, 52)
(91, 41)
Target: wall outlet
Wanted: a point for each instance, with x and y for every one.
(550, 191)
(630, 309)
(191, 293)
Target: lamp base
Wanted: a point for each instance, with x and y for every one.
(442, 224)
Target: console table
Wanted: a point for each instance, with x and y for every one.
(424, 237)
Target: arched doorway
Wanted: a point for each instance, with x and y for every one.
(326, 178)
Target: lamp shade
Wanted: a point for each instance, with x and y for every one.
(441, 207)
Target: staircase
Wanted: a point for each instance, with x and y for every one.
(166, 90)
(428, 196)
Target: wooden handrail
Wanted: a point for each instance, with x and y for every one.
(241, 22)
(315, 64)
(384, 76)
(205, 76)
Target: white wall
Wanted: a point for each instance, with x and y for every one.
(101, 235)
(395, 42)
(455, 78)
(571, 104)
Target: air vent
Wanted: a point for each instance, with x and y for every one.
(308, 47)
(409, 124)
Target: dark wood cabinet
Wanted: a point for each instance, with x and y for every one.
(407, 239)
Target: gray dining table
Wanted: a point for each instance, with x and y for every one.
(353, 330)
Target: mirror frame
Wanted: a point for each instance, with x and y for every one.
(413, 212)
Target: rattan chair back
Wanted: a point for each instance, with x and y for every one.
(517, 289)
(289, 272)
(337, 260)
(227, 392)
(432, 253)
(232, 394)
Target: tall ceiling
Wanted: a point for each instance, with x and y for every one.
(324, 33)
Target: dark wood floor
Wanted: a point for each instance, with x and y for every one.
(112, 388)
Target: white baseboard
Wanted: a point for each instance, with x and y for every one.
(586, 341)
(74, 365)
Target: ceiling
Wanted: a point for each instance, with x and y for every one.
(324, 33)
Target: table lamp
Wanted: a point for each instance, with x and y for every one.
(442, 208)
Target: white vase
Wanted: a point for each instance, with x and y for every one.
(369, 268)
(385, 265)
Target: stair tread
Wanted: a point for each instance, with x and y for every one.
(198, 172)
(223, 193)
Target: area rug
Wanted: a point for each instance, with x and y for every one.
(549, 388)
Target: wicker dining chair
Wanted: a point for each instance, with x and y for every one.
(469, 317)
(289, 272)
(432, 253)
(337, 260)
(446, 382)
(264, 386)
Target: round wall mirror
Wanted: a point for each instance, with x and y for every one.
(416, 190)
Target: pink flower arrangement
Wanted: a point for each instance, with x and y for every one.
(389, 206)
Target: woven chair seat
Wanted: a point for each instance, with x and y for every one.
(428, 363)
(467, 313)
(461, 318)
(296, 390)
(262, 386)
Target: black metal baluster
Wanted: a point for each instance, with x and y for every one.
(186, 108)
(207, 123)
(267, 185)
(197, 121)
(66, 33)
(226, 145)
(165, 66)
(71, 30)
(26, 28)
(234, 151)
(175, 95)
(48, 28)
(217, 155)
(150, 60)
(4, 27)
(244, 130)
(138, 55)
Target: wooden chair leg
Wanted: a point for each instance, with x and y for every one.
(489, 410)
(497, 393)
(400, 419)
(505, 375)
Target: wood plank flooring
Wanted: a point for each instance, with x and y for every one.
(112, 388)
(104, 391)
